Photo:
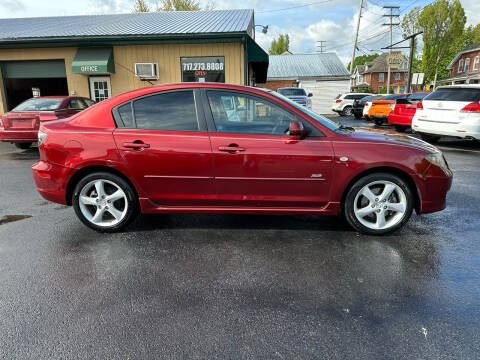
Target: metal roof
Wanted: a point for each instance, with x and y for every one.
(136, 24)
(298, 66)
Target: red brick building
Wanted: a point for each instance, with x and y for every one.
(374, 74)
(465, 66)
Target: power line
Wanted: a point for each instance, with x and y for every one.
(294, 7)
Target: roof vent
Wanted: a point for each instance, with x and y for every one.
(146, 71)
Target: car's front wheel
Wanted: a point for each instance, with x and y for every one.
(105, 202)
(378, 203)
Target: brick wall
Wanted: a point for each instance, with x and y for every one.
(275, 84)
(375, 83)
(454, 71)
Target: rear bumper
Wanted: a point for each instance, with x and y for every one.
(18, 135)
(435, 186)
(467, 128)
(51, 180)
(399, 120)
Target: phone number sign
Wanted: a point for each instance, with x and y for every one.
(211, 68)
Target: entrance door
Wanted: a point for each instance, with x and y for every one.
(256, 164)
(100, 88)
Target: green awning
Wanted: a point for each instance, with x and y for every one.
(93, 61)
(258, 58)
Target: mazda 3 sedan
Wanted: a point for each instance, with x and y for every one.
(218, 148)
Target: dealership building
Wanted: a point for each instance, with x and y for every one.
(98, 56)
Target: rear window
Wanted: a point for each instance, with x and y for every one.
(417, 96)
(39, 105)
(292, 92)
(394, 97)
(455, 94)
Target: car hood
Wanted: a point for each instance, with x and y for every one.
(391, 137)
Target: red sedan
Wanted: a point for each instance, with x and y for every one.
(402, 114)
(20, 126)
(218, 148)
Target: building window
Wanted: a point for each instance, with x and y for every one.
(460, 66)
(467, 65)
(381, 77)
(397, 77)
(476, 60)
(202, 69)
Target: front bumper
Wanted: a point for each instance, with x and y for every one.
(18, 135)
(435, 186)
(51, 180)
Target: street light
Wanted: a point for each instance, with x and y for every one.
(264, 28)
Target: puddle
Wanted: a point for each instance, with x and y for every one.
(11, 218)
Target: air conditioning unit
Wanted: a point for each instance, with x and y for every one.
(146, 71)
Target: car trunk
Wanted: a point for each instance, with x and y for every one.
(28, 120)
(405, 107)
(382, 106)
(442, 111)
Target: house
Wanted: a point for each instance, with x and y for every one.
(103, 55)
(322, 74)
(465, 66)
(374, 74)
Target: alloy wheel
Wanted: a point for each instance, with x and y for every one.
(103, 203)
(380, 205)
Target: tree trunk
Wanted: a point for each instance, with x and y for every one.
(435, 80)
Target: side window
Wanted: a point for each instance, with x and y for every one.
(88, 102)
(167, 111)
(348, 97)
(126, 115)
(76, 104)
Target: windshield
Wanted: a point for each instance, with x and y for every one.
(322, 120)
(39, 104)
(292, 92)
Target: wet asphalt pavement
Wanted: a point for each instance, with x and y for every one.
(238, 286)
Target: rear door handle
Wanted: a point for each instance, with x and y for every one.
(232, 148)
(136, 145)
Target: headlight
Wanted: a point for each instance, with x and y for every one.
(437, 159)
(41, 137)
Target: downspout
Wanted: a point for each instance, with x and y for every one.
(245, 62)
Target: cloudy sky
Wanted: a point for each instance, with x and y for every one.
(306, 21)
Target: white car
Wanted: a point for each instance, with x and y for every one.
(449, 111)
(343, 103)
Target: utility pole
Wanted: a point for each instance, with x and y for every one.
(322, 45)
(391, 24)
(355, 43)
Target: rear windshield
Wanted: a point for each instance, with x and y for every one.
(39, 105)
(292, 92)
(393, 97)
(455, 94)
(417, 96)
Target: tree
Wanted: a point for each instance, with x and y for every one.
(409, 23)
(179, 5)
(140, 6)
(442, 22)
(363, 59)
(279, 45)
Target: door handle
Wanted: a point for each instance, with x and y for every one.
(136, 145)
(232, 148)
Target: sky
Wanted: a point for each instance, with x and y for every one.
(306, 21)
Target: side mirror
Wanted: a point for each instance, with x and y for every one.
(310, 95)
(297, 129)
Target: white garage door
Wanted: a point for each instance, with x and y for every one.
(324, 93)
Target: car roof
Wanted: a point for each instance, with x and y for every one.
(290, 87)
(468, 86)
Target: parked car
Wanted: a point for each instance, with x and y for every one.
(381, 108)
(359, 105)
(402, 114)
(298, 95)
(449, 111)
(172, 148)
(368, 105)
(343, 104)
(20, 126)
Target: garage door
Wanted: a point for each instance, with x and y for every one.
(324, 92)
(23, 78)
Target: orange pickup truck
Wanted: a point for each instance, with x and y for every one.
(381, 108)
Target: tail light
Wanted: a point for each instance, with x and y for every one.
(392, 106)
(367, 104)
(338, 101)
(472, 107)
(420, 105)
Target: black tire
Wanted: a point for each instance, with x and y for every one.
(132, 198)
(367, 118)
(432, 139)
(347, 111)
(357, 116)
(378, 122)
(401, 128)
(348, 205)
(23, 146)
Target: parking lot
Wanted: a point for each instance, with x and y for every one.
(238, 286)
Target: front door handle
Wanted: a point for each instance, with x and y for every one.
(136, 145)
(232, 148)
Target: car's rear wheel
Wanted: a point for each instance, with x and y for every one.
(347, 111)
(401, 128)
(23, 146)
(367, 118)
(358, 116)
(105, 202)
(430, 138)
(378, 122)
(378, 203)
